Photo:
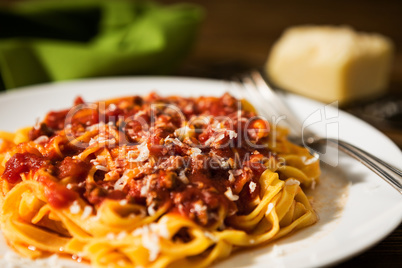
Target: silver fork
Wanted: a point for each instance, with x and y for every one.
(266, 100)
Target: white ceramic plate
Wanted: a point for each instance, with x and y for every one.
(356, 208)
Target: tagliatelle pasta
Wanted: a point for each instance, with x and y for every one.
(152, 182)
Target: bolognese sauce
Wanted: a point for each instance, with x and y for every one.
(199, 157)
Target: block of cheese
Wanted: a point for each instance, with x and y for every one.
(331, 63)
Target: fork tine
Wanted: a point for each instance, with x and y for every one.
(261, 91)
(235, 87)
(270, 96)
(265, 105)
(254, 95)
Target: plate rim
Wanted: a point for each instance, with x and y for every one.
(37, 89)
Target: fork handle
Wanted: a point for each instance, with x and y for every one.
(387, 172)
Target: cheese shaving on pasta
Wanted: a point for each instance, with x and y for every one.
(152, 182)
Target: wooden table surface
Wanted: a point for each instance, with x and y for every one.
(237, 34)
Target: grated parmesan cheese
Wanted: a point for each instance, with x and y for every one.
(41, 139)
(233, 173)
(175, 141)
(87, 212)
(237, 172)
(182, 176)
(92, 141)
(232, 134)
(218, 125)
(292, 182)
(94, 127)
(210, 140)
(220, 137)
(144, 191)
(102, 141)
(229, 194)
(121, 235)
(100, 160)
(269, 209)
(309, 161)
(277, 251)
(231, 176)
(150, 241)
(163, 228)
(195, 151)
(94, 162)
(111, 236)
(138, 231)
(211, 236)
(145, 188)
(144, 152)
(151, 209)
(122, 263)
(313, 183)
(97, 216)
(224, 164)
(121, 183)
(112, 107)
(221, 161)
(183, 131)
(75, 208)
(12, 260)
(252, 186)
(160, 229)
(103, 168)
(199, 208)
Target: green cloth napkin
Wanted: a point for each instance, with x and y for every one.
(42, 41)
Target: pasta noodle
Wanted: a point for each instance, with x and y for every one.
(152, 182)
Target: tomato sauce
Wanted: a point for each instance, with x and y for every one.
(189, 175)
(56, 194)
(22, 163)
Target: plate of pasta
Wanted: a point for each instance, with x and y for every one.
(178, 172)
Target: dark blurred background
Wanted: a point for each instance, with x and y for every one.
(240, 33)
